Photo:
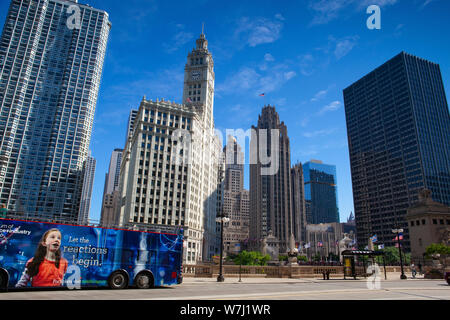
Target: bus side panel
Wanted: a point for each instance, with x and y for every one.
(159, 253)
(91, 254)
(18, 243)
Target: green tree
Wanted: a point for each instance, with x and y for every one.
(392, 256)
(251, 258)
(302, 258)
(437, 248)
(316, 257)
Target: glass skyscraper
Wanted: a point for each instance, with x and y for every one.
(398, 127)
(320, 192)
(51, 60)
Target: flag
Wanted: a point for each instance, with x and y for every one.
(399, 236)
(374, 238)
(262, 94)
(308, 245)
(381, 246)
(366, 248)
(320, 244)
(188, 100)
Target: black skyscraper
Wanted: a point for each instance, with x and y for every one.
(398, 127)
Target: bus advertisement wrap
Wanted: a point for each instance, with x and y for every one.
(36, 254)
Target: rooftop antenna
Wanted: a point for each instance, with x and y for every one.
(203, 27)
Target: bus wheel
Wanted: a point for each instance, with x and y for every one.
(144, 280)
(117, 280)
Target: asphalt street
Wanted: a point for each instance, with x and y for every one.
(257, 289)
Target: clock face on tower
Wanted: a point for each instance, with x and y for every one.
(195, 75)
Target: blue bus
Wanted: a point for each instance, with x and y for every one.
(43, 254)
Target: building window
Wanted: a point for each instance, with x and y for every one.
(423, 221)
(434, 221)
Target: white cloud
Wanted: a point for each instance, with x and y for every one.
(180, 38)
(258, 31)
(343, 47)
(268, 78)
(280, 17)
(304, 122)
(322, 93)
(245, 79)
(289, 75)
(340, 47)
(319, 133)
(306, 64)
(425, 3)
(268, 57)
(333, 106)
(325, 11)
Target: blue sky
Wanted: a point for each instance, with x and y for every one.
(301, 54)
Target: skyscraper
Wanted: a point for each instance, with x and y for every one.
(270, 190)
(86, 193)
(130, 125)
(51, 59)
(110, 191)
(235, 198)
(320, 192)
(170, 168)
(398, 127)
(298, 203)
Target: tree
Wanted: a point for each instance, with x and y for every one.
(252, 258)
(392, 256)
(437, 248)
(317, 257)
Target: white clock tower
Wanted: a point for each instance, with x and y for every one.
(198, 90)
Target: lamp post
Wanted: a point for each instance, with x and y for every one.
(221, 219)
(398, 231)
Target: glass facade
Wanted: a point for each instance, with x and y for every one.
(49, 80)
(320, 192)
(398, 127)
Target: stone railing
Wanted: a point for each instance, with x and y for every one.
(294, 271)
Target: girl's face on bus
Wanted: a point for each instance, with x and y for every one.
(53, 241)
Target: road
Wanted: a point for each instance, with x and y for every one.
(257, 289)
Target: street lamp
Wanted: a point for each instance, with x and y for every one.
(221, 219)
(398, 231)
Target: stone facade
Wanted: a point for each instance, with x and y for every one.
(429, 222)
(270, 183)
(170, 168)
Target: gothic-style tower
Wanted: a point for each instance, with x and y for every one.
(198, 90)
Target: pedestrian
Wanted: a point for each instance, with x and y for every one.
(3, 211)
(420, 267)
(413, 270)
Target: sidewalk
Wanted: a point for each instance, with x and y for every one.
(234, 279)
